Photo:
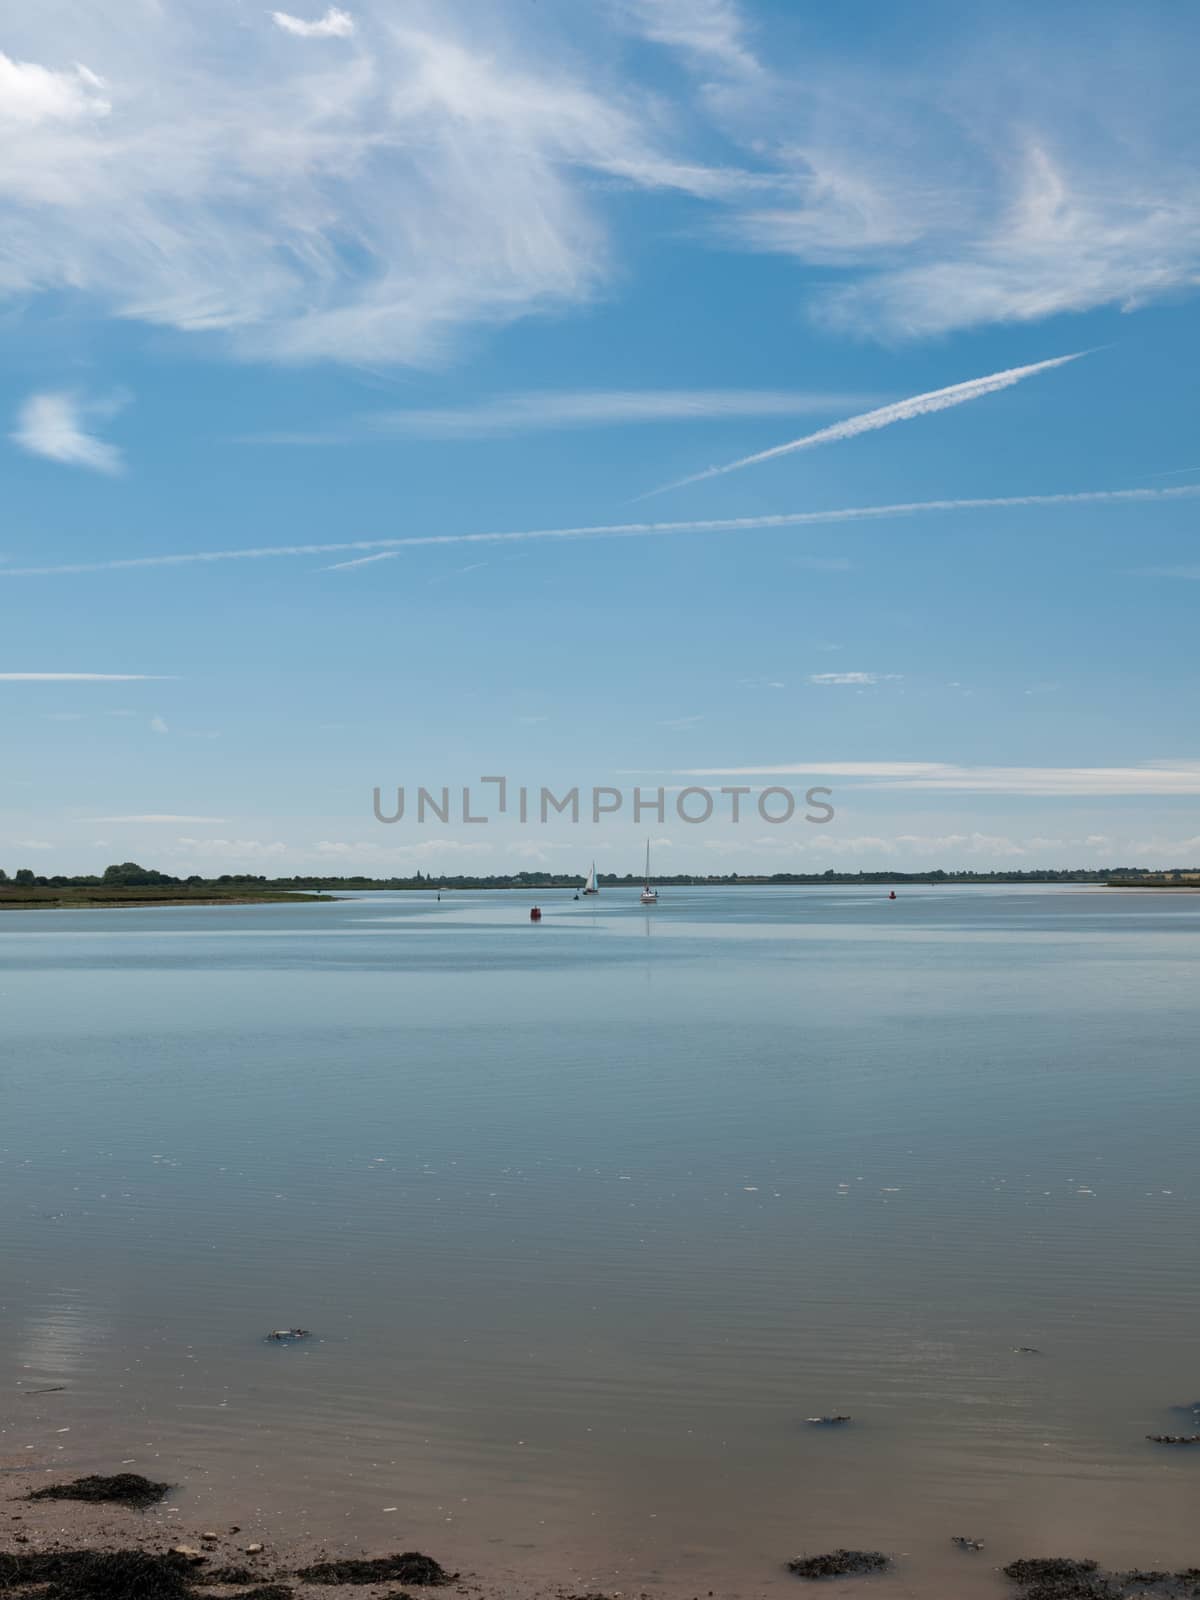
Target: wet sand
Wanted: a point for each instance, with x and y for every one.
(270, 1549)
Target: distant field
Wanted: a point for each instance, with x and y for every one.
(19, 897)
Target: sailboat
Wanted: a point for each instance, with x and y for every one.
(591, 886)
(649, 896)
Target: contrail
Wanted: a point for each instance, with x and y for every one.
(361, 561)
(919, 405)
(626, 530)
(81, 677)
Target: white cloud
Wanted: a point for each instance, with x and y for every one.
(1189, 574)
(550, 409)
(438, 849)
(1169, 850)
(951, 850)
(31, 94)
(454, 163)
(33, 844)
(682, 722)
(157, 725)
(632, 530)
(52, 425)
(1147, 778)
(709, 34)
(966, 178)
(334, 24)
(1062, 236)
(854, 679)
(79, 677)
(357, 204)
(157, 816)
(231, 850)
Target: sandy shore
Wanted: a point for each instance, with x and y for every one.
(268, 1569)
(35, 1526)
(43, 1526)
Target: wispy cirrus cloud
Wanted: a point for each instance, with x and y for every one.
(365, 203)
(545, 410)
(966, 180)
(53, 424)
(391, 547)
(709, 34)
(933, 777)
(918, 405)
(453, 164)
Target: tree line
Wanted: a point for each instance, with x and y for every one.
(128, 874)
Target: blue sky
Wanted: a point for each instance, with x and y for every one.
(276, 280)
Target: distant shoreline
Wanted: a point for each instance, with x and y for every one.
(109, 900)
(73, 898)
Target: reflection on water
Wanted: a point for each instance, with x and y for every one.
(588, 1216)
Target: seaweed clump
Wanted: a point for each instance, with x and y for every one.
(410, 1567)
(97, 1575)
(839, 1564)
(123, 1488)
(1060, 1578)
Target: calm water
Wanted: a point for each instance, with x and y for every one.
(589, 1216)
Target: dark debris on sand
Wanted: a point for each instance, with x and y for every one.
(268, 1591)
(233, 1576)
(839, 1564)
(411, 1567)
(123, 1488)
(1059, 1578)
(96, 1575)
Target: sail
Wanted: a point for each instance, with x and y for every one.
(590, 886)
(647, 878)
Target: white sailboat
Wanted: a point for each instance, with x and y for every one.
(591, 886)
(649, 896)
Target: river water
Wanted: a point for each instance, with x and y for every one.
(587, 1217)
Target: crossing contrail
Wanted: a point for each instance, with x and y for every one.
(624, 530)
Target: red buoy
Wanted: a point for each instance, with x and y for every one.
(892, 896)
(536, 914)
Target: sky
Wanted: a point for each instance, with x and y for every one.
(598, 393)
